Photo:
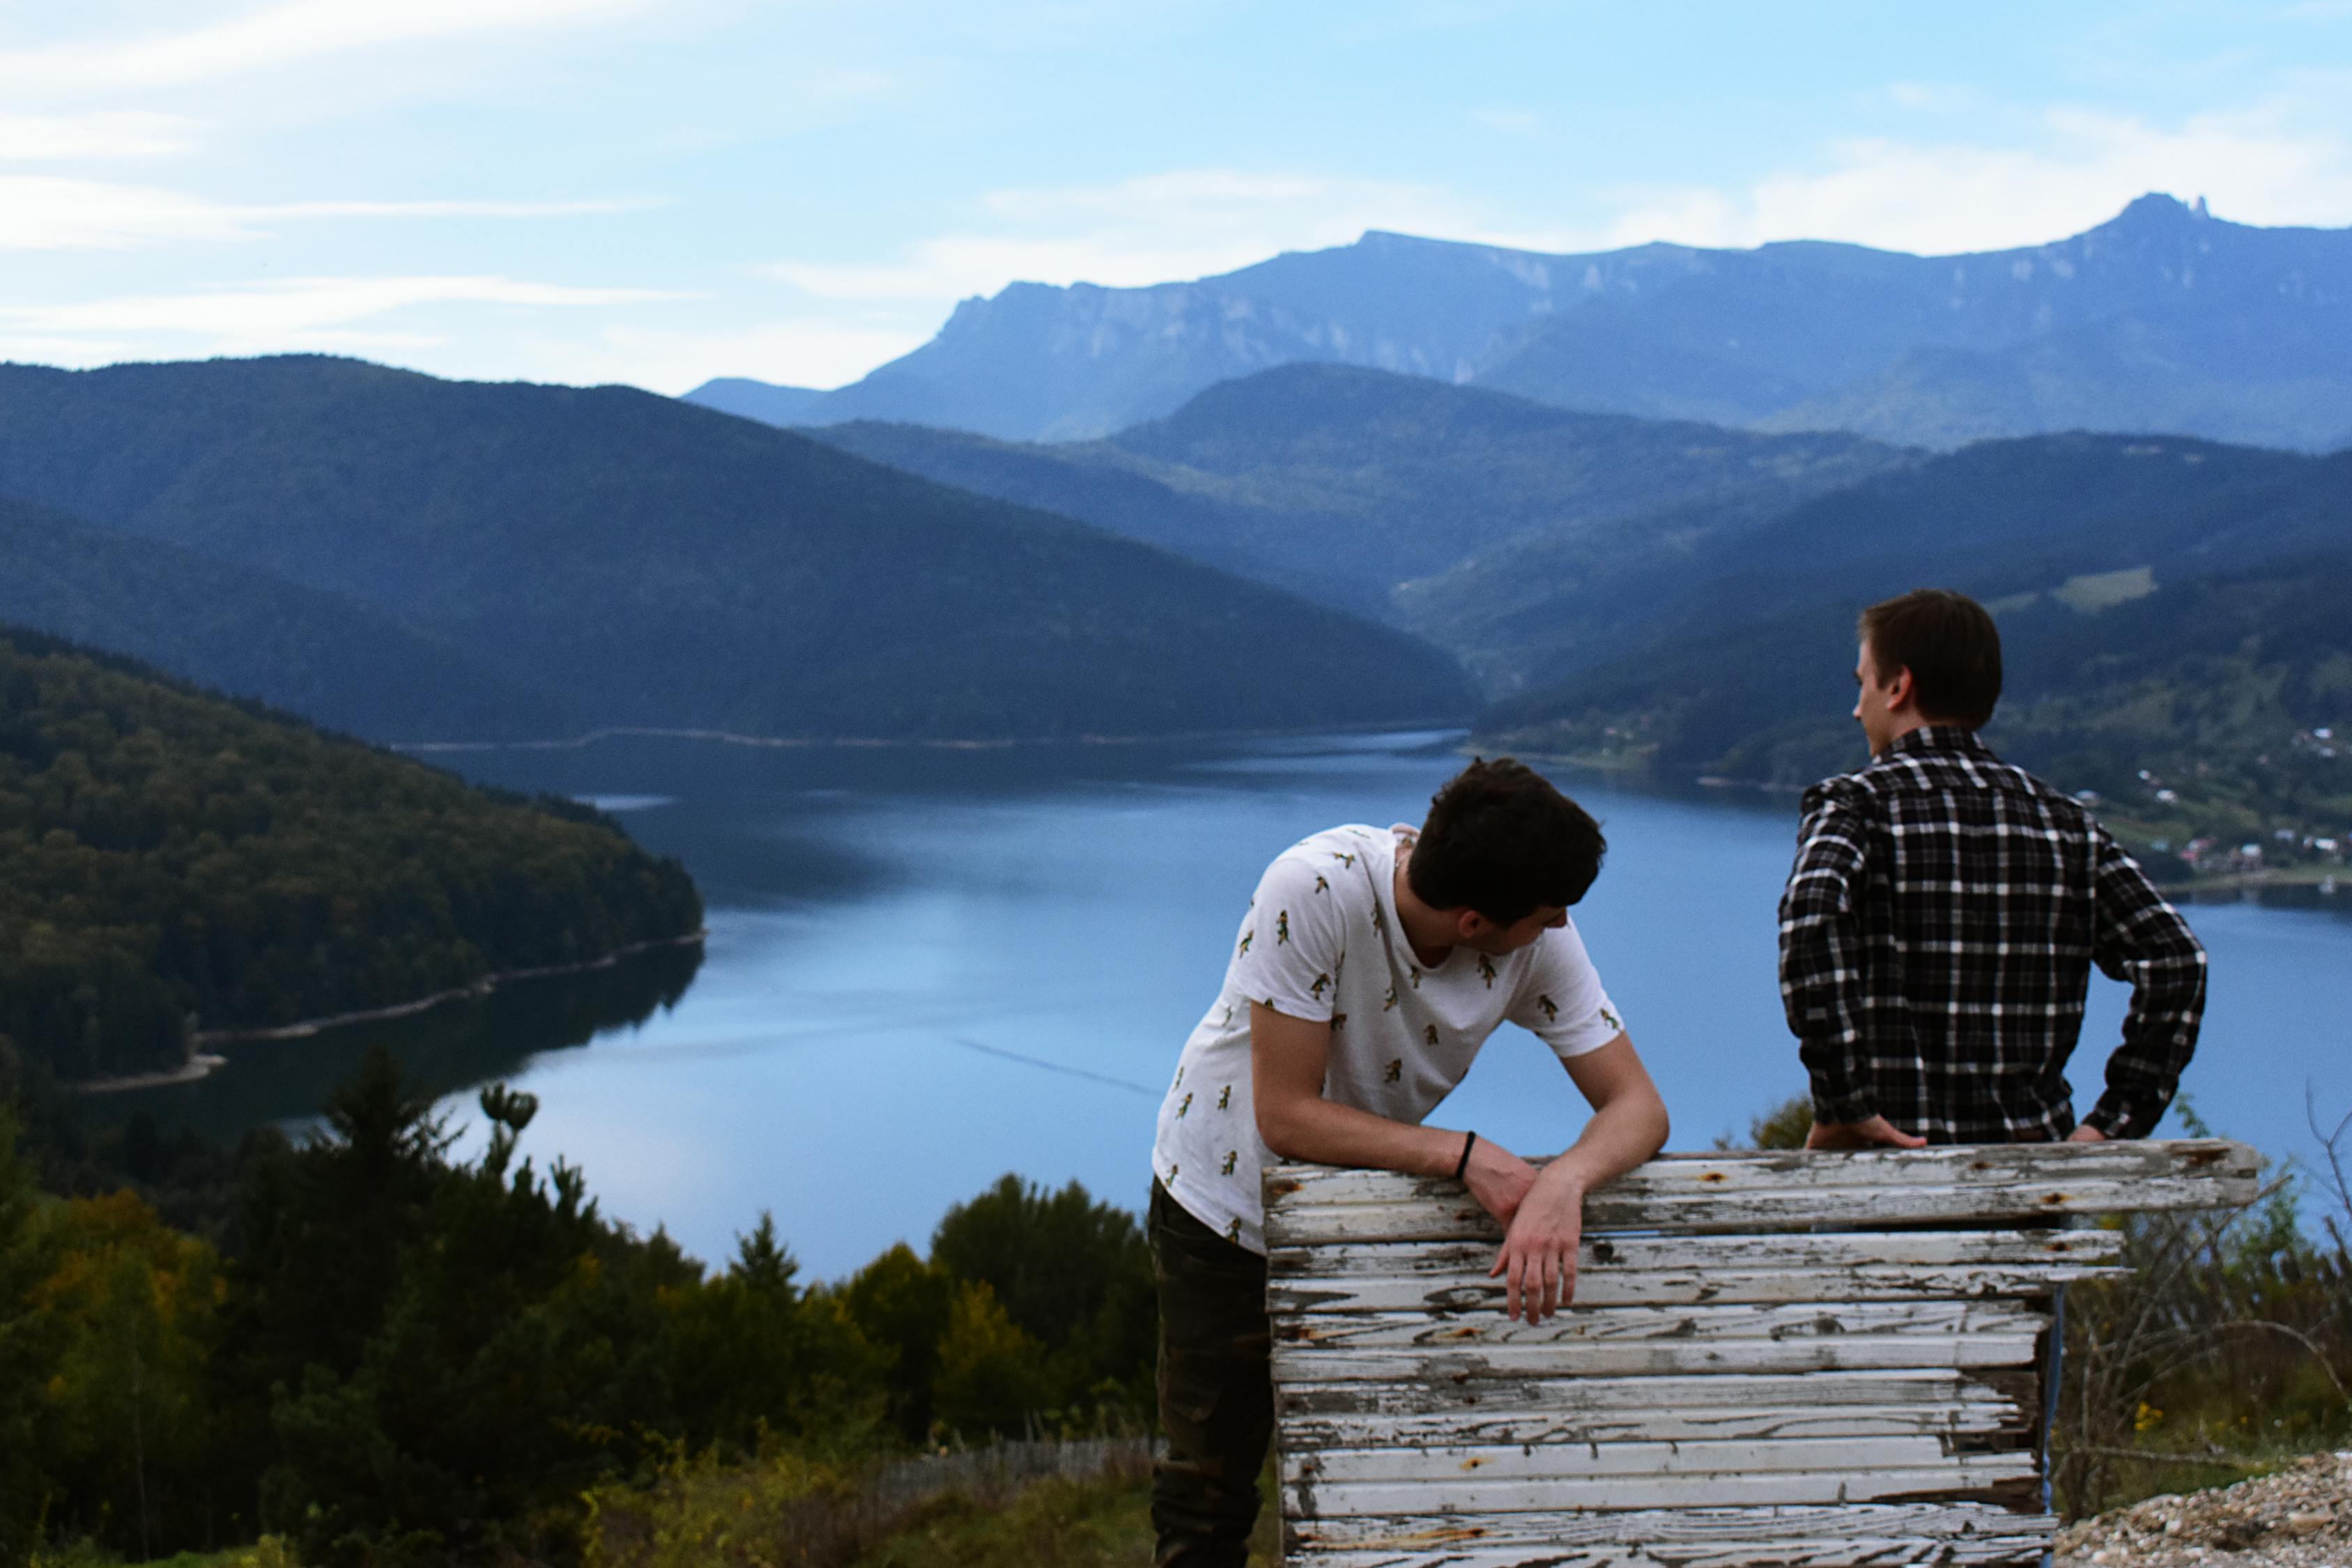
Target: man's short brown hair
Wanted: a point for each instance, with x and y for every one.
(1948, 644)
(1501, 840)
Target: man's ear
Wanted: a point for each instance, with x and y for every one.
(1901, 691)
(1469, 923)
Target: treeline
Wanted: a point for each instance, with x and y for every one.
(389, 1356)
(172, 861)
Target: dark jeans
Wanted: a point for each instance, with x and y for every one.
(1216, 1390)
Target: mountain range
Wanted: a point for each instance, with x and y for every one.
(2163, 318)
(431, 559)
(1355, 486)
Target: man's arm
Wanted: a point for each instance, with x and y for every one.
(1538, 1263)
(2138, 937)
(1820, 970)
(1287, 1060)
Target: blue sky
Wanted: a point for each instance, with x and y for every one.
(656, 193)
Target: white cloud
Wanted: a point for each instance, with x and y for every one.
(812, 351)
(48, 212)
(293, 313)
(1148, 229)
(285, 33)
(51, 138)
(2271, 165)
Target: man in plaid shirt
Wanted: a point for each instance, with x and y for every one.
(1938, 930)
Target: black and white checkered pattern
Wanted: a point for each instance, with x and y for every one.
(1937, 937)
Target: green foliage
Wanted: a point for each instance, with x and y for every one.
(1053, 1524)
(902, 1306)
(1075, 1277)
(124, 1417)
(407, 1359)
(1782, 1126)
(781, 1508)
(991, 1374)
(31, 1343)
(173, 861)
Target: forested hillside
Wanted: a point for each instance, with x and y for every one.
(249, 634)
(1999, 518)
(2173, 616)
(1342, 483)
(174, 861)
(649, 563)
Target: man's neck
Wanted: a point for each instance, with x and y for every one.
(1905, 724)
(1430, 931)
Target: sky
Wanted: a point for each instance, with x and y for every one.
(656, 192)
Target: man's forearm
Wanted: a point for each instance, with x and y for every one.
(1329, 1133)
(1619, 1136)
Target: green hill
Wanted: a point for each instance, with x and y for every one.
(1999, 518)
(2173, 615)
(1342, 482)
(658, 564)
(249, 634)
(170, 859)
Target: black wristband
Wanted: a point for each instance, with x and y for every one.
(1464, 1164)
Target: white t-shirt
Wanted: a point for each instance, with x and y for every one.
(1321, 940)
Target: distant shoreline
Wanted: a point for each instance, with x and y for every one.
(201, 1064)
(854, 743)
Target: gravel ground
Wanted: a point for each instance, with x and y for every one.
(2299, 1518)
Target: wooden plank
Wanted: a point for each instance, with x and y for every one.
(1461, 1219)
(1967, 1552)
(1795, 1250)
(1304, 1363)
(1581, 1326)
(1622, 1287)
(1594, 1396)
(1980, 1421)
(1960, 1475)
(1886, 1173)
(1451, 1461)
(1659, 1529)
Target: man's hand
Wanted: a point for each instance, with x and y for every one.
(2086, 1134)
(1499, 1178)
(1876, 1132)
(1538, 1263)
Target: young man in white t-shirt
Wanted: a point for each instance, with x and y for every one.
(1373, 964)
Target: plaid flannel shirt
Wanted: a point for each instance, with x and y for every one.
(1937, 937)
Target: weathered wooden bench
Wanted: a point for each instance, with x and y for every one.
(1782, 1358)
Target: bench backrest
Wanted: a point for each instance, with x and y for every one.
(1771, 1358)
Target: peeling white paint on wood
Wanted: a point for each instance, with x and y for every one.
(1706, 1321)
(1312, 1433)
(1461, 1219)
(1768, 1359)
(1705, 1526)
(1889, 1173)
(1960, 1475)
(1590, 1395)
(1446, 1462)
(1766, 1250)
(1622, 1287)
(1294, 1363)
(1963, 1552)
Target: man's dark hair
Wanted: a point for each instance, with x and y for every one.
(1501, 840)
(1947, 643)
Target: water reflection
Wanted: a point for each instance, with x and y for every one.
(451, 1046)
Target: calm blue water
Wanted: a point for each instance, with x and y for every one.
(928, 968)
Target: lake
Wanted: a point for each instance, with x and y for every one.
(930, 966)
